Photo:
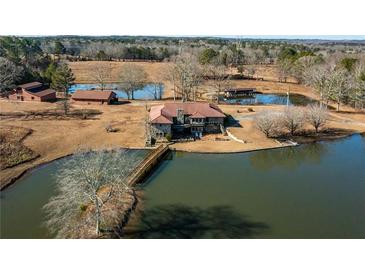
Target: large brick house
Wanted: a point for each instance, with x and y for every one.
(94, 97)
(192, 118)
(34, 91)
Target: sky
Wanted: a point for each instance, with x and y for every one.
(320, 37)
(258, 18)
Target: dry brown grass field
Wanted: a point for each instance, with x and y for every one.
(156, 72)
(53, 137)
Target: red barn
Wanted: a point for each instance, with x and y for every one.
(34, 91)
(94, 97)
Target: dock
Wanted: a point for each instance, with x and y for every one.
(237, 92)
(150, 162)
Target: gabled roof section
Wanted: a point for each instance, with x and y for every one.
(164, 114)
(31, 85)
(42, 93)
(197, 115)
(161, 120)
(203, 108)
(157, 117)
(92, 95)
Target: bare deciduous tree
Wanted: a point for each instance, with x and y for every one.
(338, 86)
(101, 74)
(317, 77)
(156, 90)
(284, 70)
(316, 116)
(132, 78)
(186, 75)
(90, 189)
(251, 70)
(9, 74)
(267, 121)
(357, 93)
(293, 119)
(219, 80)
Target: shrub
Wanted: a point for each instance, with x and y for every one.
(266, 122)
(317, 116)
(293, 119)
(83, 207)
(168, 137)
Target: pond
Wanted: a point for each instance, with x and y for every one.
(21, 204)
(270, 99)
(149, 92)
(311, 191)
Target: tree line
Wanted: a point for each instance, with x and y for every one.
(340, 80)
(292, 120)
(339, 77)
(335, 71)
(233, 51)
(22, 60)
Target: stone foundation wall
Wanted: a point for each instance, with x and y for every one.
(159, 130)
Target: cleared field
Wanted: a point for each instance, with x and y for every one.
(156, 72)
(267, 72)
(83, 70)
(54, 137)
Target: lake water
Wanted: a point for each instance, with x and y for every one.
(311, 191)
(270, 99)
(21, 204)
(149, 92)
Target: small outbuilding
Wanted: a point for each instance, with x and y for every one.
(237, 92)
(94, 97)
(34, 91)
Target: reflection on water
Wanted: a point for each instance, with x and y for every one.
(185, 222)
(270, 99)
(289, 158)
(310, 191)
(21, 204)
(149, 92)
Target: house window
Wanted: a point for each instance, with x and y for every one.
(18, 97)
(32, 98)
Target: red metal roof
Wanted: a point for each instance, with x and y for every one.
(43, 92)
(30, 85)
(93, 95)
(163, 114)
(197, 115)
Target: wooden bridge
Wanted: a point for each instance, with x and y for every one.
(152, 160)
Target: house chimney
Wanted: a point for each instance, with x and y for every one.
(180, 116)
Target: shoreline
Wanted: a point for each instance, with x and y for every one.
(231, 152)
(12, 180)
